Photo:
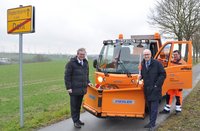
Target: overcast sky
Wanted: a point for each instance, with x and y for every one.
(63, 26)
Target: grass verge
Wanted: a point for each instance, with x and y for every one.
(189, 119)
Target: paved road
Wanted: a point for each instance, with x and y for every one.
(119, 124)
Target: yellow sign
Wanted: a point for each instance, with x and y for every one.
(20, 20)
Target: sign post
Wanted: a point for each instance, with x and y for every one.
(21, 79)
(21, 20)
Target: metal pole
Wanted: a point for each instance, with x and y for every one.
(139, 67)
(140, 60)
(20, 79)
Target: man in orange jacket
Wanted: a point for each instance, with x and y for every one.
(174, 92)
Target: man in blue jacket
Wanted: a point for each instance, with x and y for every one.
(153, 75)
(76, 82)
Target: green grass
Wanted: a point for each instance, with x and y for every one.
(45, 97)
(189, 119)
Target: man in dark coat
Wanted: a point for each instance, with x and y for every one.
(153, 75)
(76, 82)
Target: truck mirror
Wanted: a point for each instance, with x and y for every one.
(140, 45)
(95, 63)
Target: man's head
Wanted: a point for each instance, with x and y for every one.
(81, 53)
(176, 55)
(147, 54)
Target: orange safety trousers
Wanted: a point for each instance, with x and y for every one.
(170, 95)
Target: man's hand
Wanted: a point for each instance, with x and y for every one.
(90, 84)
(69, 90)
(139, 77)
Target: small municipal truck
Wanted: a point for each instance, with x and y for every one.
(118, 91)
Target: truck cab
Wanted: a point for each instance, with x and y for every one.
(118, 91)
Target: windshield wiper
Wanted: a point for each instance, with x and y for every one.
(122, 64)
(124, 68)
(105, 72)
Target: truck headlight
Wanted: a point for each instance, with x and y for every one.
(140, 82)
(100, 79)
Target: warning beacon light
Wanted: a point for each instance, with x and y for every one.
(120, 36)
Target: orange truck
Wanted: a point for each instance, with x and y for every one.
(118, 91)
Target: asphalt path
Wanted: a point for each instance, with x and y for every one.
(93, 123)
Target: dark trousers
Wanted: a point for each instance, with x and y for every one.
(153, 111)
(75, 104)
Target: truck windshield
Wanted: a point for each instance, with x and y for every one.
(121, 58)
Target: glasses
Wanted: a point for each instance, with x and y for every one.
(81, 54)
(146, 54)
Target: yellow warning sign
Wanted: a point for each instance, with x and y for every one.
(20, 20)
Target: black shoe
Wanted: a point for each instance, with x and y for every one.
(151, 129)
(81, 123)
(77, 125)
(147, 126)
(164, 112)
(178, 113)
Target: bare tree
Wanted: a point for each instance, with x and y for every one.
(196, 45)
(179, 17)
(191, 16)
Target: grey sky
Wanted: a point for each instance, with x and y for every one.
(62, 26)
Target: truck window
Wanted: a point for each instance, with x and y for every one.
(164, 55)
(183, 49)
(154, 49)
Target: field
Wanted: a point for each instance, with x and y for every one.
(45, 97)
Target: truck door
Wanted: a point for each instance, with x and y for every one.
(179, 74)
